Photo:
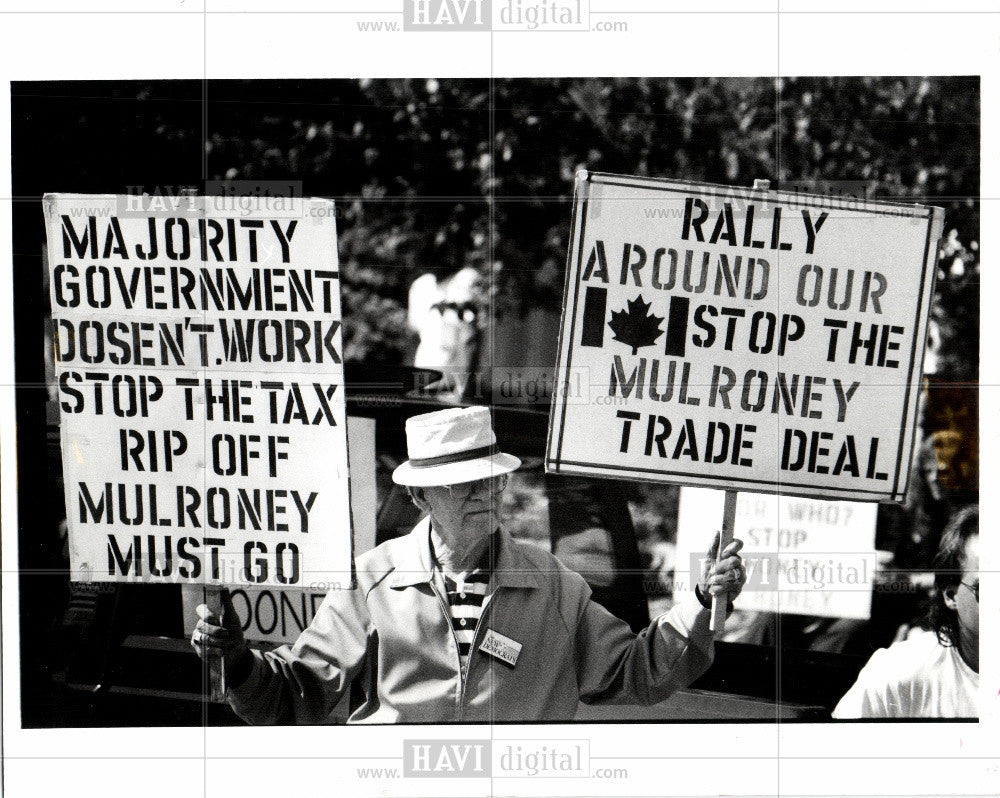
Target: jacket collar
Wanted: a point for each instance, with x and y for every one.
(414, 564)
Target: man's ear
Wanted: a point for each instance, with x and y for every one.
(948, 595)
(418, 497)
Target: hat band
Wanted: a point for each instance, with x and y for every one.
(456, 457)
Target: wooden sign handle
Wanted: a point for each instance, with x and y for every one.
(718, 621)
(214, 665)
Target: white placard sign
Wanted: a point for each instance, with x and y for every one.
(742, 339)
(198, 359)
(802, 556)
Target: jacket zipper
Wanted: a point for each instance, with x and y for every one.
(472, 651)
(447, 616)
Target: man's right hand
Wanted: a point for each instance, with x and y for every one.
(214, 636)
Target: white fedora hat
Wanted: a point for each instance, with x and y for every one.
(451, 446)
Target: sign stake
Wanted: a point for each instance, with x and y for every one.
(215, 664)
(718, 621)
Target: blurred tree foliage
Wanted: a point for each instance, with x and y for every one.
(434, 174)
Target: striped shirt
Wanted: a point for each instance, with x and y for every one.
(466, 599)
(467, 594)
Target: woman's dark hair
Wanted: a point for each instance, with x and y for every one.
(948, 570)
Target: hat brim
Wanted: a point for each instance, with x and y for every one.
(455, 473)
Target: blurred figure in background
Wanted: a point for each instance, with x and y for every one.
(446, 315)
(944, 475)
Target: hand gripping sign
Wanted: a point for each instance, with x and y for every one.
(742, 338)
(198, 362)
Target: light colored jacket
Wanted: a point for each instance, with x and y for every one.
(393, 634)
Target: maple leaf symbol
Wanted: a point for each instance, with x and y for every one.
(637, 326)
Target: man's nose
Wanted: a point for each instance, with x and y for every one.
(481, 490)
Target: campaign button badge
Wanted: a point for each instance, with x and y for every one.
(500, 646)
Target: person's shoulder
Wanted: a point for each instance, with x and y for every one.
(375, 564)
(906, 660)
(918, 643)
(568, 588)
(542, 560)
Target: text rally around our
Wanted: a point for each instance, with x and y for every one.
(742, 339)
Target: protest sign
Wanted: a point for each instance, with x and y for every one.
(802, 556)
(200, 381)
(272, 616)
(742, 338)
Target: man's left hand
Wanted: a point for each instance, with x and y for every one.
(726, 577)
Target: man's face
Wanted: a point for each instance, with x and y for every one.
(467, 510)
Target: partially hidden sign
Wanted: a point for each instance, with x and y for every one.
(201, 390)
(742, 339)
(801, 556)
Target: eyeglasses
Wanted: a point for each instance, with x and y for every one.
(463, 490)
(974, 588)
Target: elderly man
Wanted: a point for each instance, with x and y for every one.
(456, 622)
